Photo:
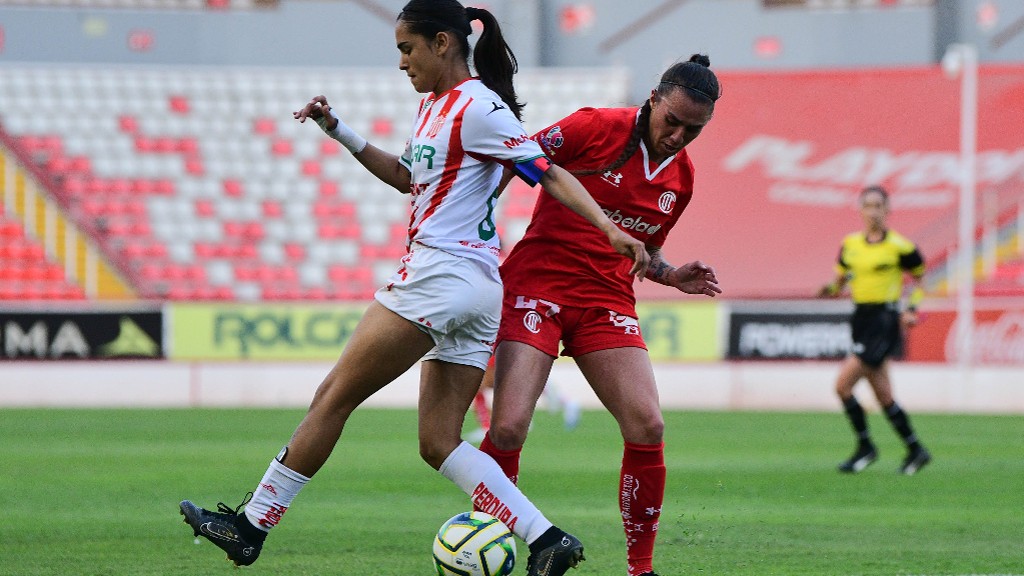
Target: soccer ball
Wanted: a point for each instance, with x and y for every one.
(474, 544)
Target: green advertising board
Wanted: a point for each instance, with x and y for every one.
(261, 332)
(676, 331)
(673, 331)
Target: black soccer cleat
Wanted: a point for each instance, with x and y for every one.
(555, 560)
(223, 529)
(861, 459)
(914, 461)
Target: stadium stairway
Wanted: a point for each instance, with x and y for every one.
(43, 255)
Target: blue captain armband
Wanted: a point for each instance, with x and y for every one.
(532, 170)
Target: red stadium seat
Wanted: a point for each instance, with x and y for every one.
(233, 188)
(272, 209)
(281, 147)
(264, 126)
(204, 208)
(328, 188)
(295, 252)
(128, 124)
(179, 104)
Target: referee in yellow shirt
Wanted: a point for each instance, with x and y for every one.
(874, 263)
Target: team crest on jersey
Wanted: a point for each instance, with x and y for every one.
(553, 139)
(436, 125)
(667, 201)
(613, 178)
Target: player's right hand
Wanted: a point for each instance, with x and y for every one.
(633, 249)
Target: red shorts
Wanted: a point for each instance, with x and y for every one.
(542, 324)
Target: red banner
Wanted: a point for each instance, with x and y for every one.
(997, 338)
(780, 166)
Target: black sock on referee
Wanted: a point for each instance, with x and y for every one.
(855, 413)
(901, 423)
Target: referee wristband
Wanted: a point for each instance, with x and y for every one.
(342, 133)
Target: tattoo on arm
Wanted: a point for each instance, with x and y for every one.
(658, 269)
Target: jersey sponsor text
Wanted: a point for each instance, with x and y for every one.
(631, 222)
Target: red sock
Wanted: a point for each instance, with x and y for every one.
(507, 459)
(641, 492)
(483, 413)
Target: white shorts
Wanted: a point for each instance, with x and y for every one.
(456, 300)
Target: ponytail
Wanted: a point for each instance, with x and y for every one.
(494, 61)
(635, 136)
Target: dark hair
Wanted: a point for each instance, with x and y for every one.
(493, 59)
(878, 189)
(694, 76)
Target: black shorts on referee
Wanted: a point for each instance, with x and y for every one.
(876, 332)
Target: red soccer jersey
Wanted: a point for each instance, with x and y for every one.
(562, 257)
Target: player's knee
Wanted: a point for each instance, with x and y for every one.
(434, 452)
(508, 435)
(653, 430)
(842, 390)
(645, 430)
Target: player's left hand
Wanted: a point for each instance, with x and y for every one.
(633, 249)
(695, 278)
(319, 110)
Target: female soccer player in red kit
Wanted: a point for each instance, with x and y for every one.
(563, 283)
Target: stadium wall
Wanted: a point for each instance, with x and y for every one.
(785, 386)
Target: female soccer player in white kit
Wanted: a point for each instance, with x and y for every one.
(444, 303)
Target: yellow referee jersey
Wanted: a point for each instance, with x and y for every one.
(875, 269)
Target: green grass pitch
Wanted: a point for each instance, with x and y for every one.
(95, 492)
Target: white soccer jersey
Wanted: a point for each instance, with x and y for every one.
(460, 141)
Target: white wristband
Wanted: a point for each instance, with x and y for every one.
(342, 133)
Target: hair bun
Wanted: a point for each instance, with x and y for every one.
(701, 59)
(473, 13)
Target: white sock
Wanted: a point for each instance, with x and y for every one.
(480, 477)
(273, 496)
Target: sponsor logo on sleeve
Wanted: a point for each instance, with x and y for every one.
(515, 141)
(553, 139)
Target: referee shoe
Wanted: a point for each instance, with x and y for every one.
(227, 528)
(556, 559)
(861, 459)
(914, 461)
